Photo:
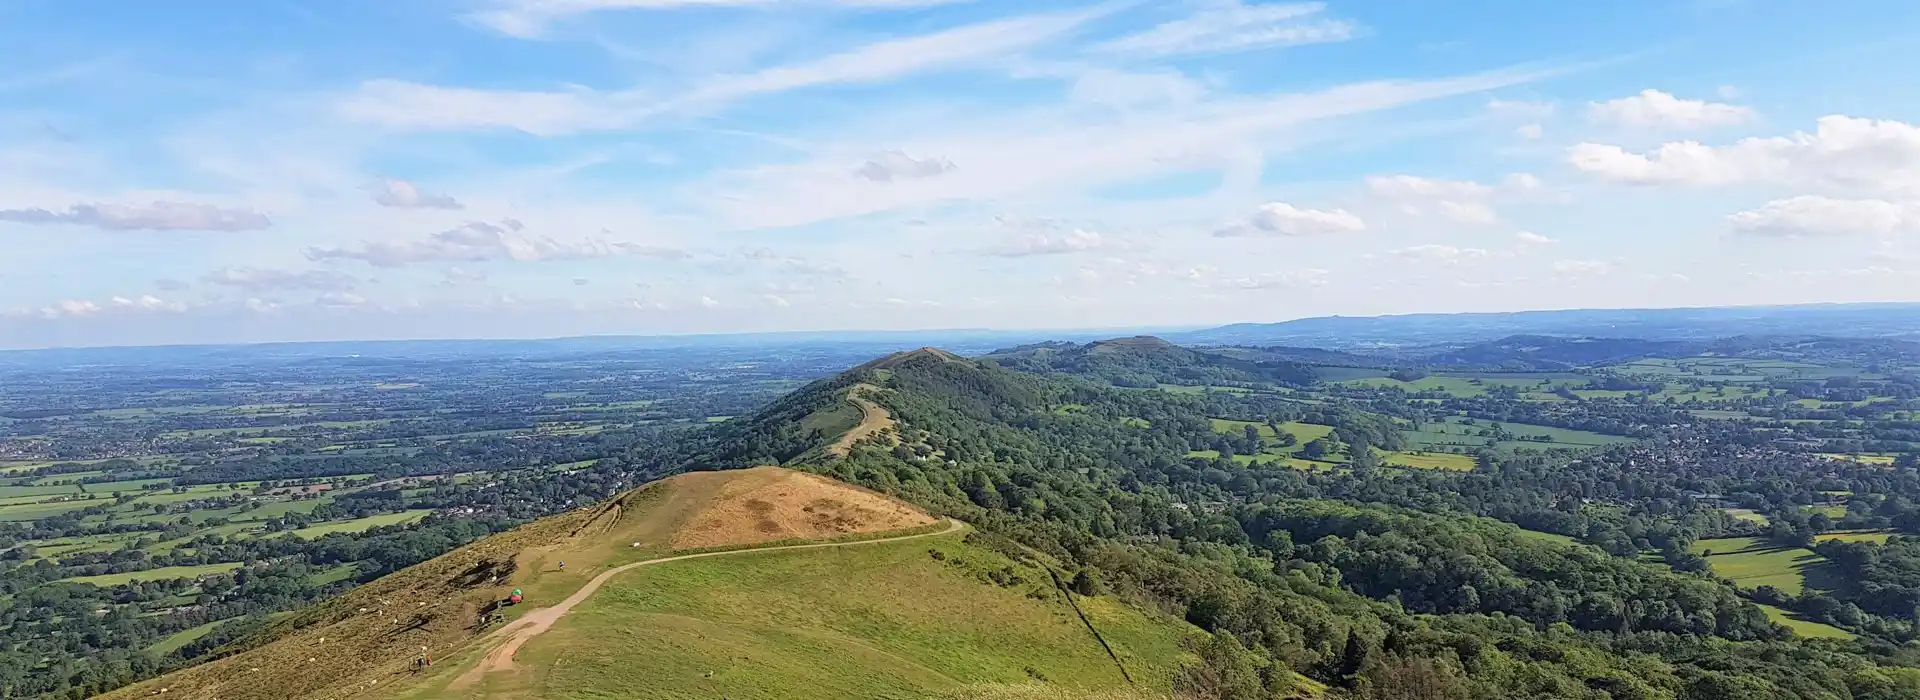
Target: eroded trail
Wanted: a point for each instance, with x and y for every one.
(535, 623)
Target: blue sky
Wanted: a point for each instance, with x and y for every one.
(300, 169)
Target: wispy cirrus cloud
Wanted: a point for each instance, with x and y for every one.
(259, 280)
(481, 241)
(1233, 26)
(531, 19)
(416, 106)
(156, 216)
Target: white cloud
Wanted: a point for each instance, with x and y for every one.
(256, 279)
(1522, 109)
(1442, 254)
(1531, 238)
(1124, 89)
(1823, 216)
(1579, 268)
(480, 241)
(1475, 213)
(1842, 152)
(1289, 279)
(709, 302)
(405, 195)
(406, 105)
(1282, 219)
(1529, 131)
(1414, 186)
(1229, 25)
(145, 303)
(776, 301)
(1653, 108)
(1461, 201)
(460, 275)
(1075, 241)
(1030, 153)
(893, 165)
(158, 216)
(530, 19)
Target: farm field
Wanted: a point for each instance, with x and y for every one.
(1804, 628)
(362, 524)
(1457, 434)
(1752, 562)
(160, 574)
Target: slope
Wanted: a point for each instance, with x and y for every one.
(743, 567)
(1145, 361)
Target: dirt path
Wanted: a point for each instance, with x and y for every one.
(873, 419)
(534, 623)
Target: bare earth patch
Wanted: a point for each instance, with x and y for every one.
(788, 505)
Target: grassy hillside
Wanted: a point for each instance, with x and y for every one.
(898, 620)
(858, 596)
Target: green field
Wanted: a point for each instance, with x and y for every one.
(362, 524)
(1804, 628)
(1752, 517)
(880, 621)
(1430, 460)
(159, 574)
(1466, 385)
(1874, 537)
(183, 638)
(1751, 562)
(1456, 434)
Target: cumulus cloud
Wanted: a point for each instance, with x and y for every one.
(1531, 238)
(1233, 26)
(258, 280)
(1075, 241)
(1823, 216)
(1841, 152)
(402, 194)
(1283, 219)
(480, 241)
(157, 216)
(1653, 108)
(897, 165)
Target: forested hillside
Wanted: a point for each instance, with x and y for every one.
(1376, 581)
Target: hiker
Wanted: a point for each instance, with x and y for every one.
(563, 565)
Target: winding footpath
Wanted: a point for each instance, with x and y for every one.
(535, 623)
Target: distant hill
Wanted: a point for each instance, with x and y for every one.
(1145, 361)
(912, 610)
(1343, 332)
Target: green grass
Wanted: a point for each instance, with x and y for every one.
(160, 574)
(1430, 460)
(1751, 562)
(182, 638)
(1834, 512)
(1874, 537)
(1752, 517)
(362, 524)
(1804, 628)
(1456, 434)
(879, 621)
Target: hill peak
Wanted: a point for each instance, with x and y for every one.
(370, 635)
(906, 356)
